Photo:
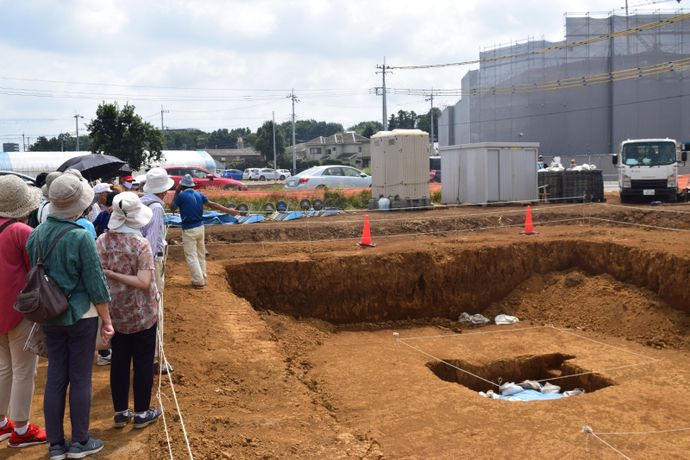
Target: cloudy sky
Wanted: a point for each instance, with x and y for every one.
(229, 64)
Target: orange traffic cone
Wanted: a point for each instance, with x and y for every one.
(529, 229)
(366, 236)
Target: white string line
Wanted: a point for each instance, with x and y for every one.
(589, 431)
(646, 209)
(652, 360)
(604, 344)
(647, 432)
(313, 221)
(179, 412)
(640, 225)
(440, 232)
(451, 365)
(470, 333)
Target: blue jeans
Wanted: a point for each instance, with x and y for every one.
(70, 362)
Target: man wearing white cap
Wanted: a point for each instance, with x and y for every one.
(101, 190)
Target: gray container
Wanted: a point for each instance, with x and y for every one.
(489, 172)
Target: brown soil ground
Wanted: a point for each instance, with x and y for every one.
(289, 352)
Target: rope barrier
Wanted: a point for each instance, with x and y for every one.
(646, 209)
(651, 360)
(589, 431)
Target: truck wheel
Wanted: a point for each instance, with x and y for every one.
(673, 198)
(625, 199)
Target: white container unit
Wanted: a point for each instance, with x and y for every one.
(400, 168)
(489, 172)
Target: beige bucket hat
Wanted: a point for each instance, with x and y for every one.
(16, 198)
(70, 196)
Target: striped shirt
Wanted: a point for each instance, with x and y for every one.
(153, 231)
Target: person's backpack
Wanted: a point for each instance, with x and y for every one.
(42, 300)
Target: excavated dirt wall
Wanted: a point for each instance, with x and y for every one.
(434, 283)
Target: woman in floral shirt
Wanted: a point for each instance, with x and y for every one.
(128, 265)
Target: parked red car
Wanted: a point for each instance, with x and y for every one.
(203, 179)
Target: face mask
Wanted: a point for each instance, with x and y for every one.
(128, 185)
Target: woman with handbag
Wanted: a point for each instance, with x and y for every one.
(128, 264)
(71, 337)
(17, 367)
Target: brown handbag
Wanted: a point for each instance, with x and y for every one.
(42, 300)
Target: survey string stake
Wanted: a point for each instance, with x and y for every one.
(397, 345)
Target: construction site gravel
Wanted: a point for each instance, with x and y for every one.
(290, 351)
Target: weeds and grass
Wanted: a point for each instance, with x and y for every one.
(436, 197)
(332, 197)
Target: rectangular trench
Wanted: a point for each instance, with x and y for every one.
(442, 283)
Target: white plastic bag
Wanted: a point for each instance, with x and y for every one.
(510, 388)
(506, 319)
(549, 389)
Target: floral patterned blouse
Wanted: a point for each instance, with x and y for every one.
(131, 309)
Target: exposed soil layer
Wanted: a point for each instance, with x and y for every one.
(419, 284)
(270, 379)
(518, 369)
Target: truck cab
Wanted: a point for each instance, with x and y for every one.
(648, 167)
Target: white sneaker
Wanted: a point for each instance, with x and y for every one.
(104, 360)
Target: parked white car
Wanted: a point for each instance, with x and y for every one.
(284, 172)
(268, 174)
(247, 174)
(328, 176)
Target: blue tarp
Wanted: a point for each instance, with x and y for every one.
(533, 395)
(210, 218)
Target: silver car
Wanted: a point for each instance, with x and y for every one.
(328, 176)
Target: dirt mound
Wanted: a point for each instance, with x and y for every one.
(599, 304)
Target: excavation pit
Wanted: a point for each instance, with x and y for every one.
(552, 367)
(346, 288)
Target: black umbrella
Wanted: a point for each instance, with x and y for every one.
(94, 166)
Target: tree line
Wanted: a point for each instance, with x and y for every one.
(120, 132)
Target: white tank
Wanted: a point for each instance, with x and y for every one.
(34, 163)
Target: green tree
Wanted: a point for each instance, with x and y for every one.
(367, 128)
(125, 135)
(262, 141)
(63, 141)
(424, 121)
(306, 130)
(403, 120)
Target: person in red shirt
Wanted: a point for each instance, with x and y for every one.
(17, 367)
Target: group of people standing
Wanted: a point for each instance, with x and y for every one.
(116, 279)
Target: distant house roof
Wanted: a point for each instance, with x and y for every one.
(347, 138)
(233, 153)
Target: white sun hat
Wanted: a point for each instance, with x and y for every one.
(127, 209)
(158, 181)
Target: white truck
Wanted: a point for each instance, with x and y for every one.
(649, 168)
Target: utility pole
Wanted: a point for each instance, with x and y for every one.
(431, 114)
(76, 118)
(294, 158)
(383, 92)
(23, 143)
(62, 142)
(162, 112)
(274, 149)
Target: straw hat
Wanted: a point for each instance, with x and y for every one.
(127, 209)
(70, 196)
(49, 180)
(157, 181)
(16, 198)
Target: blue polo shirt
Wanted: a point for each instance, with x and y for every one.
(191, 204)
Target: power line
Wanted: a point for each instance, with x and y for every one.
(651, 25)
